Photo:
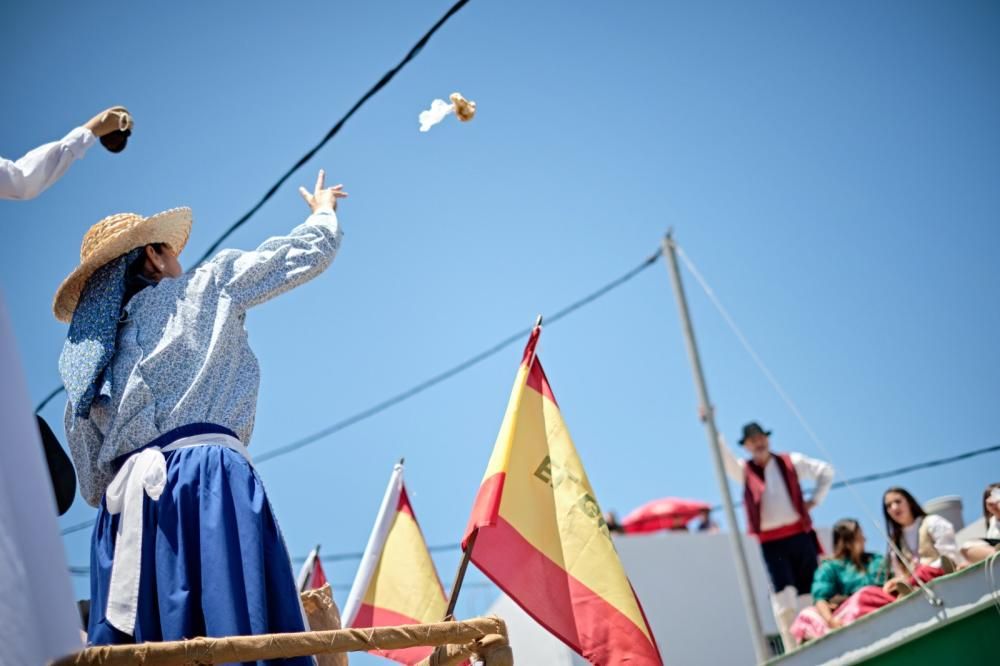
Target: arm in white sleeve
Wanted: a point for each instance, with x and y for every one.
(32, 174)
(814, 470)
(943, 533)
(280, 263)
(732, 464)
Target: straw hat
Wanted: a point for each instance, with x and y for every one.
(114, 236)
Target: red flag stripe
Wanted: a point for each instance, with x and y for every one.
(404, 503)
(369, 616)
(487, 505)
(567, 608)
(529, 349)
(318, 578)
(538, 381)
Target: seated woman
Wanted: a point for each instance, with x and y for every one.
(927, 541)
(978, 550)
(837, 582)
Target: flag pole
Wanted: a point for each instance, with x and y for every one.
(306, 579)
(456, 587)
(742, 569)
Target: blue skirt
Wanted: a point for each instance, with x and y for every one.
(213, 559)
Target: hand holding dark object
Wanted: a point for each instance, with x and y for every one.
(113, 127)
(115, 141)
(60, 468)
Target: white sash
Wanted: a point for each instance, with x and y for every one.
(144, 472)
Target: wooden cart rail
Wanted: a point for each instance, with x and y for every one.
(484, 638)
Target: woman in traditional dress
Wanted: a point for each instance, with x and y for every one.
(162, 388)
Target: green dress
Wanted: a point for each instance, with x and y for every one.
(835, 577)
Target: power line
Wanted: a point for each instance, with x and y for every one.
(388, 76)
(76, 527)
(452, 371)
(47, 399)
(866, 478)
(915, 467)
(381, 83)
(334, 557)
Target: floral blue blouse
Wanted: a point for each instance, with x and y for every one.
(184, 350)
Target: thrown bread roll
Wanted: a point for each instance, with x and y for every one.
(465, 109)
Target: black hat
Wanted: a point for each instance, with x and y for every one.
(60, 467)
(751, 429)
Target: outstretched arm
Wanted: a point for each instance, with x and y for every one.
(283, 262)
(814, 470)
(31, 175)
(733, 465)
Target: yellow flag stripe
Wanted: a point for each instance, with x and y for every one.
(548, 499)
(405, 580)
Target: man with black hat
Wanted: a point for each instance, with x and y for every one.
(778, 515)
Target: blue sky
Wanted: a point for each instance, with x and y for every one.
(831, 168)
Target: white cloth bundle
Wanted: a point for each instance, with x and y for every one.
(463, 109)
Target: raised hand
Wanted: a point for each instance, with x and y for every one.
(117, 118)
(323, 198)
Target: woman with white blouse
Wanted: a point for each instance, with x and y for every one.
(921, 538)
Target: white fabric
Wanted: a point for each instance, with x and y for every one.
(993, 529)
(439, 111)
(776, 509)
(373, 551)
(38, 617)
(785, 607)
(144, 473)
(942, 534)
(35, 172)
(911, 536)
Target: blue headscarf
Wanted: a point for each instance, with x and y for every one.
(93, 333)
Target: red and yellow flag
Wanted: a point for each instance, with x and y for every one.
(541, 537)
(311, 575)
(396, 581)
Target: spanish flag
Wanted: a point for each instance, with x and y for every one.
(537, 531)
(396, 581)
(311, 575)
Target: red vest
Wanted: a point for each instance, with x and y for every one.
(753, 491)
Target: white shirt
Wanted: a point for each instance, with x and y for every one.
(776, 509)
(32, 174)
(38, 618)
(942, 533)
(993, 528)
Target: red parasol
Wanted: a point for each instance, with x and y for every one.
(667, 513)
